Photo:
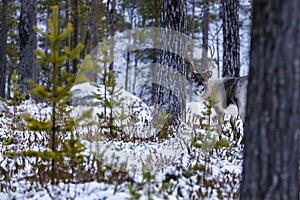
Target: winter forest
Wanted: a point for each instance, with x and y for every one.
(149, 99)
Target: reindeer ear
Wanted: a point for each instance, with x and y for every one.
(208, 74)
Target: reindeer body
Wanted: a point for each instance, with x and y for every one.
(229, 90)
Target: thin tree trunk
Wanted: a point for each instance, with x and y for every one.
(75, 9)
(112, 20)
(127, 70)
(135, 74)
(68, 41)
(155, 55)
(131, 25)
(231, 38)
(28, 42)
(193, 37)
(3, 49)
(193, 19)
(218, 50)
(91, 39)
(272, 128)
(205, 28)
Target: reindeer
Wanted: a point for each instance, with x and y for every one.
(229, 90)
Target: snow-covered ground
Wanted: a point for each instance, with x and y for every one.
(170, 168)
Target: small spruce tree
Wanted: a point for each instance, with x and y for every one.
(61, 81)
(110, 91)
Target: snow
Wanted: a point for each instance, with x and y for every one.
(173, 156)
(131, 153)
(170, 156)
(91, 190)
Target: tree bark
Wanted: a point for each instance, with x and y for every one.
(92, 36)
(75, 10)
(231, 38)
(173, 16)
(205, 24)
(111, 26)
(272, 128)
(68, 40)
(28, 42)
(3, 49)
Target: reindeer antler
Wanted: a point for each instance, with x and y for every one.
(212, 53)
(193, 68)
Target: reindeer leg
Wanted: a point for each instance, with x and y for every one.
(242, 111)
(241, 95)
(220, 115)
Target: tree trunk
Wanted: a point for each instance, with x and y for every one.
(127, 70)
(3, 49)
(272, 127)
(205, 24)
(28, 42)
(91, 38)
(68, 40)
(193, 27)
(170, 90)
(75, 10)
(111, 27)
(156, 5)
(231, 39)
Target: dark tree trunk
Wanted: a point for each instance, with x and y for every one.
(75, 9)
(68, 41)
(231, 39)
(111, 26)
(173, 16)
(91, 38)
(156, 5)
(95, 23)
(205, 24)
(127, 70)
(28, 42)
(3, 48)
(272, 127)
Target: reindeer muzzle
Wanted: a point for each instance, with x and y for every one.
(199, 89)
(198, 82)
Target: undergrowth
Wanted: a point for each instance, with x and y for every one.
(196, 175)
(43, 150)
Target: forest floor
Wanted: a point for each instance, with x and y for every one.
(141, 160)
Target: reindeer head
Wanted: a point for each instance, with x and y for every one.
(200, 79)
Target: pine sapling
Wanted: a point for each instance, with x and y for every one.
(61, 81)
